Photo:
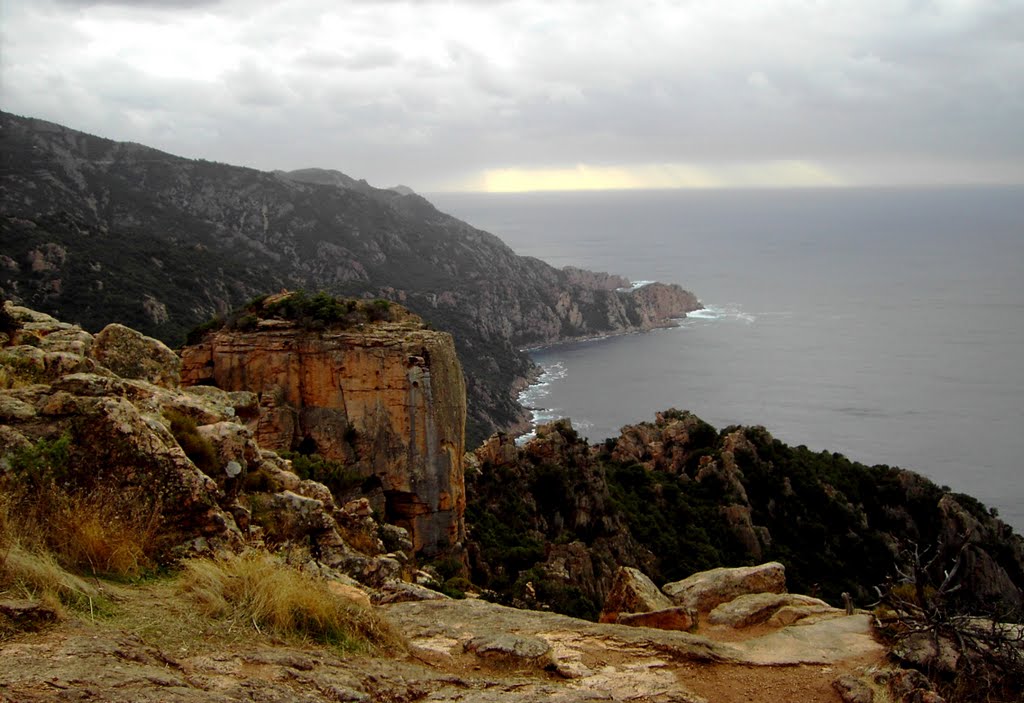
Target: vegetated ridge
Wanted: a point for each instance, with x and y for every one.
(676, 496)
(95, 231)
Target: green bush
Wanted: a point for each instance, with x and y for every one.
(339, 478)
(196, 447)
(46, 460)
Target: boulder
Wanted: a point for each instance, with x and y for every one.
(14, 410)
(402, 592)
(522, 649)
(852, 690)
(705, 590)
(923, 651)
(352, 594)
(131, 354)
(666, 619)
(754, 608)
(25, 614)
(632, 592)
(235, 447)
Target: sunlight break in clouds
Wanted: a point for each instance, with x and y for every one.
(783, 174)
(540, 93)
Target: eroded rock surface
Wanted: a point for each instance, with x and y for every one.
(632, 592)
(707, 589)
(389, 400)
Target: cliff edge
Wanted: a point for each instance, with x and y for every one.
(384, 396)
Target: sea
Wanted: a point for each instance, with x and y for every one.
(883, 324)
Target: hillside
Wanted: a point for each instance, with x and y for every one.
(675, 496)
(95, 231)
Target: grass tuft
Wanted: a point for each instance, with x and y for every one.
(259, 591)
(102, 530)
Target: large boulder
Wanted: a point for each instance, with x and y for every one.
(705, 590)
(131, 354)
(754, 608)
(632, 592)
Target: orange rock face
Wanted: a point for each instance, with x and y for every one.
(389, 400)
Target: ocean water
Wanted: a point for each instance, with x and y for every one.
(887, 325)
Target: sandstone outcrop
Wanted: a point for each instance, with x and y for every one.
(183, 459)
(707, 589)
(387, 400)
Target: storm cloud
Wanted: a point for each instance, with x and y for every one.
(444, 95)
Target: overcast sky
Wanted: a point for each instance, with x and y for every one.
(520, 94)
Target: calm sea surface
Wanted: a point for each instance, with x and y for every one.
(887, 325)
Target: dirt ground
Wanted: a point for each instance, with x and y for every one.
(149, 644)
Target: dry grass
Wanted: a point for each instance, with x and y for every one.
(99, 532)
(35, 573)
(258, 591)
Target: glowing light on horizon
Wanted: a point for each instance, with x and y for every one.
(780, 174)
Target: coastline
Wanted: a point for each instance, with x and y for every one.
(525, 429)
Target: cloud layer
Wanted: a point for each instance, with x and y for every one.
(500, 95)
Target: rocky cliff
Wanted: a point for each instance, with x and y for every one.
(102, 419)
(96, 231)
(676, 496)
(387, 399)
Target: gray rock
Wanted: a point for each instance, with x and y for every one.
(632, 592)
(522, 648)
(90, 384)
(402, 592)
(395, 538)
(754, 608)
(26, 614)
(131, 354)
(14, 410)
(664, 619)
(853, 690)
(705, 590)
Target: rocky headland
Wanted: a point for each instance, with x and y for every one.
(676, 496)
(96, 231)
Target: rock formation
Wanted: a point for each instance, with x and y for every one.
(675, 497)
(387, 399)
(706, 590)
(183, 458)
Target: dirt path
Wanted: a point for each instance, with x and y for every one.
(152, 646)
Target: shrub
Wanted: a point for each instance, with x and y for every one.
(196, 447)
(379, 310)
(923, 623)
(49, 521)
(339, 478)
(196, 334)
(259, 590)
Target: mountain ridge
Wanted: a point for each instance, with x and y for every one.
(96, 230)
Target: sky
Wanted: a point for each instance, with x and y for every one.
(527, 95)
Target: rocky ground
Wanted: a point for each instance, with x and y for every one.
(150, 646)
